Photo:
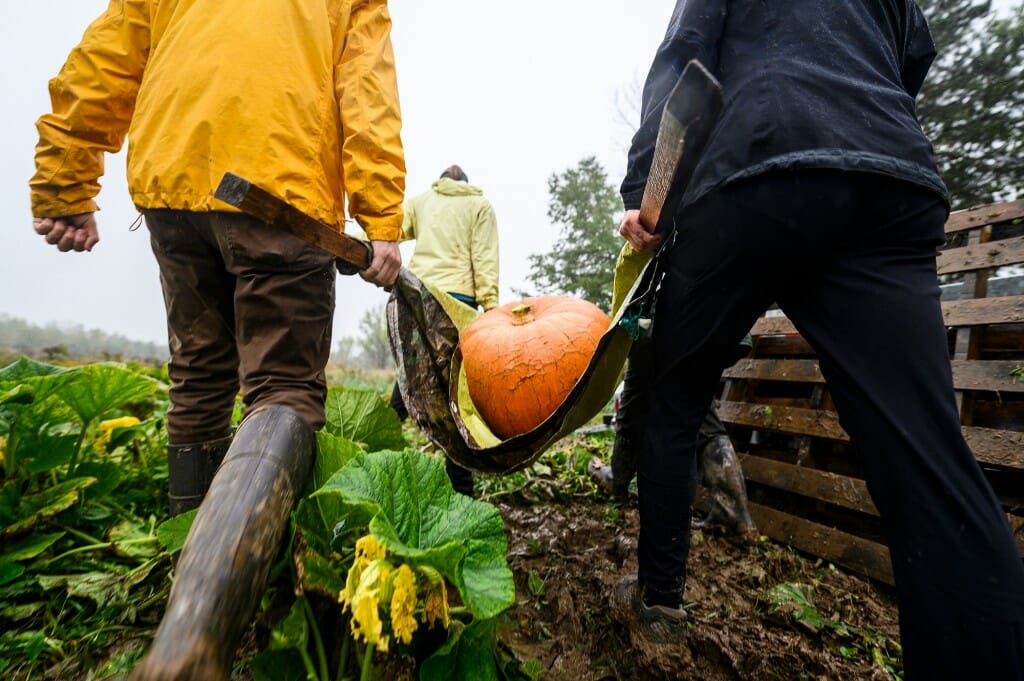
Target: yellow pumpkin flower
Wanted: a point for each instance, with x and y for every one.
(366, 622)
(106, 427)
(435, 605)
(368, 549)
(365, 604)
(403, 604)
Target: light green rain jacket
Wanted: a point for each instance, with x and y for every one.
(456, 235)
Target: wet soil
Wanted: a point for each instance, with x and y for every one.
(567, 560)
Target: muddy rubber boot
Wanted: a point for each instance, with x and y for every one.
(190, 470)
(235, 538)
(623, 463)
(722, 476)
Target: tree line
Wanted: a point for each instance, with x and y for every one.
(53, 342)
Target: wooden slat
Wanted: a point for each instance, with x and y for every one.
(850, 551)
(979, 256)
(792, 420)
(984, 215)
(773, 326)
(796, 370)
(991, 375)
(1003, 448)
(1005, 310)
(839, 490)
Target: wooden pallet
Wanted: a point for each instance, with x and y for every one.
(805, 487)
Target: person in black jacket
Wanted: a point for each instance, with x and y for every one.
(818, 190)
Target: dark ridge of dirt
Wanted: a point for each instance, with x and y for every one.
(568, 559)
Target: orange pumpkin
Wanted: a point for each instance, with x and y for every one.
(522, 359)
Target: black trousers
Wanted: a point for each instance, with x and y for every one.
(850, 258)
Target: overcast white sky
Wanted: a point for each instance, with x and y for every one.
(512, 92)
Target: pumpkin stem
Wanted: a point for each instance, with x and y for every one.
(522, 314)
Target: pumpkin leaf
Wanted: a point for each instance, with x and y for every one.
(319, 575)
(25, 369)
(420, 519)
(98, 388)
(132, 539)
(50, 449)
(28, 547)
(35, 508)
(363, 416)
(322, 520)
(172, 533)
(108, 476)
(278, 665)
(467, 655)
(10, 571)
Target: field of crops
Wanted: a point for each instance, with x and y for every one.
(387, 572)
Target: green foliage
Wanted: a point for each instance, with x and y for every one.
(586, 208)
(419, 518)
(363, 417)
(796, 601)
(972, 103)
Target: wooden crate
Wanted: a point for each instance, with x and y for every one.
(804, 485)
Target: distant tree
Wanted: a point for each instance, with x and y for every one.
(345, 351)
(972, 103)
(582, 262)
(373, 343)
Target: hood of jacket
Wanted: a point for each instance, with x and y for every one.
(450, 187)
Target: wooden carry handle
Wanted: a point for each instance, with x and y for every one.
(352, 254)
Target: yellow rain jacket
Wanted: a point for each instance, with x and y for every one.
(456, 235)
(297, 96)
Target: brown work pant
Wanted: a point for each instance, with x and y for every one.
(249, 307)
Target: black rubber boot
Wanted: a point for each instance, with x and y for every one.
(461, 479)
(190, 470)
(722, 475)
(234, 541)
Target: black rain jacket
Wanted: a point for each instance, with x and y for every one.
(806, 84)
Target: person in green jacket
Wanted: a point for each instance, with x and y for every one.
(456, 235)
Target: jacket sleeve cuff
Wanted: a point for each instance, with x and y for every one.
(383, 229)
(631, 200)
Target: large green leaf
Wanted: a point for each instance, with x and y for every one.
(321, 519)
(108, 477)
(419, 518)
(51, 448)
(25, 368)
(98, 388)
(363, 416)
(35, 508)
(27, 547)
(10, 571)
(467, 655)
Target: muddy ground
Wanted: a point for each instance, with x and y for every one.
(567, 558)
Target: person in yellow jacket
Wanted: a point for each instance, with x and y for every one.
(299, 97)
(456, 235)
